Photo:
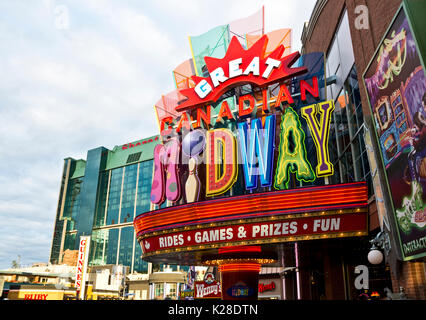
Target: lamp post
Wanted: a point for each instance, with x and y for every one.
(381, 241)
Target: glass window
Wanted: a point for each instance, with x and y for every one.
(126, 246)
(97, 246)
(102, 196)
(171, 290)
(346, 52)
(69, 242)
(111, 244)
(72, 202)
(340, 57)
(139, 265)
(128, 194)
(114, 196)
(347, 147)
(143, 202)
(333, 59)
(341, 121)
(158, 291)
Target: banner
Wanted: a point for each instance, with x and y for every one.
(315, 226)
(81, 273)
(396, 88)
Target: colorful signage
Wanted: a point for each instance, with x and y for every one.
(216, 149)
(186, 294)
(37, 292)
(266, 287)
(303, 227)
(81, 273)
(256, 146)
(396, 87)
(36, 296)
(256, 129)
(137, 143)
(208, 288)
(346, 198)
(205, 290)
(239, 67)
(240, 290)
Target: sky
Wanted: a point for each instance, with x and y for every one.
(76, 75)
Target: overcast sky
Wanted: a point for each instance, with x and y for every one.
(76, 75)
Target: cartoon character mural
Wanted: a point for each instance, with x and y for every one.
(396, 86)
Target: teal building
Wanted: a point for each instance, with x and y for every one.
(100, 197)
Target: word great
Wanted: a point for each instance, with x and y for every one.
(254, 140)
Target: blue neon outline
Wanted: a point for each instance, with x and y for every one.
(261, 146)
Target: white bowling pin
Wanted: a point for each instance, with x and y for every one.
(192, 185)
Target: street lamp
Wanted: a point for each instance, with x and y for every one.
(375, 256)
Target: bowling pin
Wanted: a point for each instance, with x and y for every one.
(192, 185)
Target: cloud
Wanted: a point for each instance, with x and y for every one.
(83, 74)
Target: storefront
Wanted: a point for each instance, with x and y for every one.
(376, 56)
(40, 292)
(165, 285)
(270, 284)
(244, 178)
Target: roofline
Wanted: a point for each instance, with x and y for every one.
(308, 26)
(42, 274)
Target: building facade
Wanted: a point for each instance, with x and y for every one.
(100, 197)
(350, 33)
(256, 175)
(215, 218)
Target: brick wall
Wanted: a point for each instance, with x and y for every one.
(365, 41)
(325, 27)
(70, 257)
(411, 275)
(412, 279)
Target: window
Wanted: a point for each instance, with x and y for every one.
(347, 147)
(97, 247)
(126, 246)
(111, 244)
(158, 291)
(69, 242)
(134, 157)
(143, 202)
(114, 196)
(139, 265)
(72, 202)
(340, 57)
(128, 194)
(102, 196)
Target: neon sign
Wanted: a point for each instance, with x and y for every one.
(240, 66)
(319, 130)
(216, 182)
(253, 142)
(259, 146)
(292, 158)
(266, 287)
(166, 180)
